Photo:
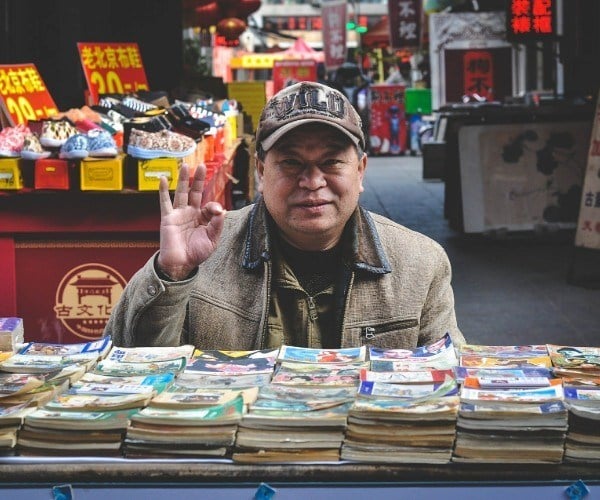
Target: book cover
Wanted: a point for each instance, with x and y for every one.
(79, 420)
(317, 374)
(200, 397)
(233, 367)
(36, 363)
(88, 402)
(99, 347)
(476, 361)
(289, 353)
(11, 334)
(190, 379)
(93, 383)
(407, 377)
(149, 354)
(407, 391)
(125, 368)
(580, 358)
(442, 350)
(536, 395)
(499, 351)
(12, 384)
(228, 413)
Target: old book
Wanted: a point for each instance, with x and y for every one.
(200, 397)
(89, 402)
(40, 363)
(317, 374)
(11, 334)
(190, 379)
(289, 353)
(383, 390)
(79, 420)
(12, 384)
(127, 369)
(149, 354)
(286, 456)
(407, 377)
(98, 347)
(232, 363)
(574, 357)
(227, 413)
(437, 355)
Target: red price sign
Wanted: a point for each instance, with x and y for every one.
(112, 68)
(23, 94)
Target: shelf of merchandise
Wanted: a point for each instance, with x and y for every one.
(45, 234)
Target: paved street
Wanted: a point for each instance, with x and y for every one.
(511, 290)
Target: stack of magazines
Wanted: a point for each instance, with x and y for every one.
(579, 368)
(301, 416)
(198, 415)
(512, 408)
(406, 407)
(90, 417)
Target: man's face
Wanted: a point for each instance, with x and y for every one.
(311, 180)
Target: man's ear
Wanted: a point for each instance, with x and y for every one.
(260, 170)
(362, 166)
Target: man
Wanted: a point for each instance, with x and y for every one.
(304, 265)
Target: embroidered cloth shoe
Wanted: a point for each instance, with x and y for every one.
(148, 145)
(12, 139)
(101, 143)
(56, 132)
(76, 147)
(32, 149)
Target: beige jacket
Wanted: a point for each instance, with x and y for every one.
(398, 293)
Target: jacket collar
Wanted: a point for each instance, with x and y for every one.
(367, 252)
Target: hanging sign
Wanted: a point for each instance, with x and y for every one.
(588, 227)
(23, 94)
(532, 20)
(334, 32)
(287, 73)
(405, 23)
(112, 68)
(478, 71)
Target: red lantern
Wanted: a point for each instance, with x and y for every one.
(211, 12)
(231, 28)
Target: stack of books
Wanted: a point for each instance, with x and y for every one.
(512, 408)
(301, 415)
(579, 368)
(198, 414)
(407, 412)
(11, 336)
(91, 416)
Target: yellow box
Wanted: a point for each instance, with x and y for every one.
(150, 172)
(102, 174)
(10, 174)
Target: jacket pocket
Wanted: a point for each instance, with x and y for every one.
(391, 335)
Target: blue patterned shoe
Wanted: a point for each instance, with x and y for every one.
(76, 148)
(101, 143)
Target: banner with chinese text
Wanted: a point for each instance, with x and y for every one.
(405, 23)
(334, 32)
(112, 68)
(588, 227)
(24, 95)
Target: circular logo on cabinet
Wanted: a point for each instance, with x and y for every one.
(85, 298)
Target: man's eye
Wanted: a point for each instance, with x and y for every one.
(290, 164)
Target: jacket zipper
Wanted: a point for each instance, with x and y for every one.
(312, 308)
(370, 332)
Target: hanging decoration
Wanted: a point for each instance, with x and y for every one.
(229, 16)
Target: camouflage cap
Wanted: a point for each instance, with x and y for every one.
(307, 102)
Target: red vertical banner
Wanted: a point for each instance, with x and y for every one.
(288, 72)
(112, 68)
(405, 23)
(388, 120)
(334, 32)
(478, 74)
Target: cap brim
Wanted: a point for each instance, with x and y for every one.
(270, 141)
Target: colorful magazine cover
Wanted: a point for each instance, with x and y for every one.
(408, 391)
(535, 395)
(149, 354)
(440, 348)
(100, 346)
(581, 358)
(407, 377)
(462, 372)
(476, 361)
(235, 366)
(117, 368)
(289, 353)
(192, 379)
(317, 374)
(511, 351)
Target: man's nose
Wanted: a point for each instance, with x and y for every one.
(312, 177)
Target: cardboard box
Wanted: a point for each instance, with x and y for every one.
(150, 172)
(102, 174)
(10, 174)
(51, 173)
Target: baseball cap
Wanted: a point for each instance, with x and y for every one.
(307, 102)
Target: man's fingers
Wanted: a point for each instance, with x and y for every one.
(164, 198)
(180, 199)
(195, 196)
